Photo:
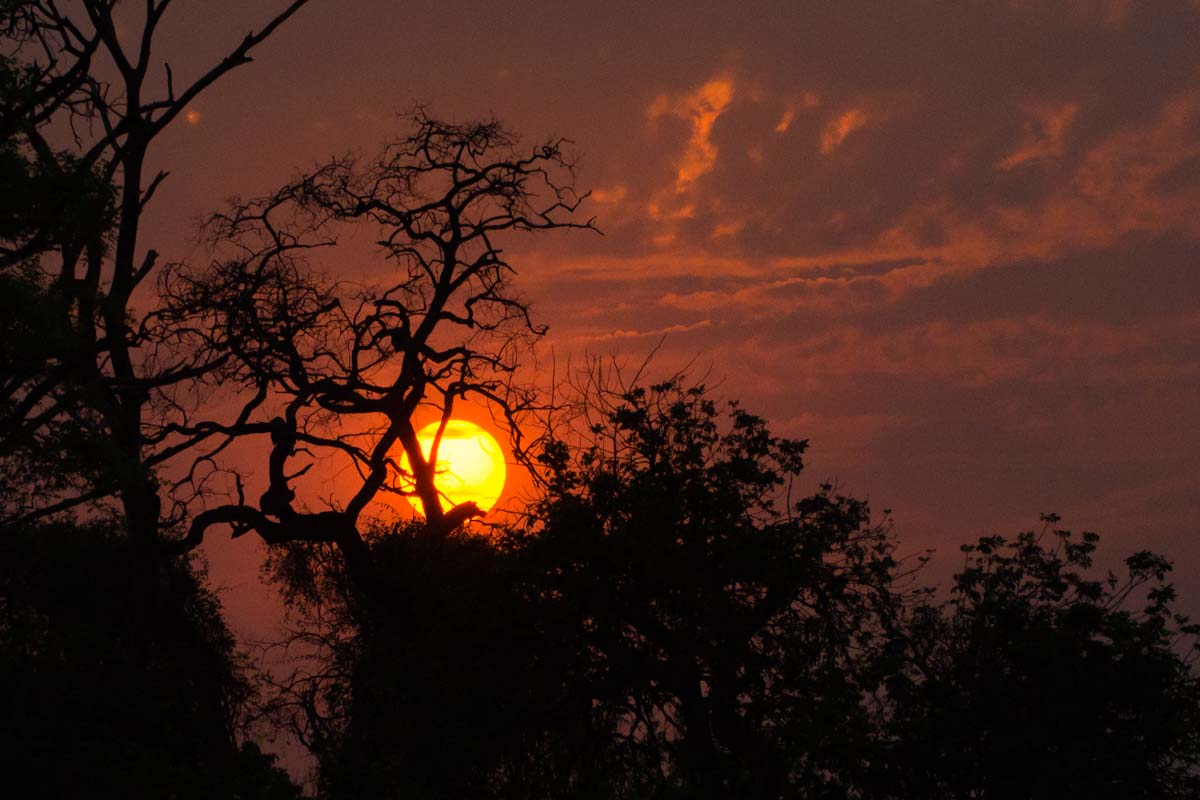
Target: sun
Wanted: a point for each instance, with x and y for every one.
(470, 465)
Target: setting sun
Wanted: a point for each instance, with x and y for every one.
(470, 464)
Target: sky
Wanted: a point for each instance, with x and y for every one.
(953, 245)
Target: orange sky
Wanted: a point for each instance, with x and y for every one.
(955, 247)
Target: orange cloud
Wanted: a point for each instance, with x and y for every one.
(1110, 13)
(1125, 182)
(765, 296)
(699, 108)
(1142, 179)
(626, 333)
(611, 194)
(840, 127)
(728, 229)
(1116, 189)
(807, 101)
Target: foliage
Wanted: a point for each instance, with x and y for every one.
(731, 630)
(460, 684)
(49, 197)
(110, 693)
(1037, 680)
(661, 630)
(671, 614)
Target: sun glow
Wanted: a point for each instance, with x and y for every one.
(470, 465)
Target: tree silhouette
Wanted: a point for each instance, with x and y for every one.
(661, 628)
(105, 697)
(88, 385)
(1035, 680)
(119, 675)
(669, 624)
(342, 376)
(472, 686)
(732, 629)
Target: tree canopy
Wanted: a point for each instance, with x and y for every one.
(1039, 679)
(669, 623)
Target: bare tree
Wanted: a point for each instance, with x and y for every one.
(85, 377)
(343, 373)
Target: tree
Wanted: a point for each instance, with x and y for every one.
(669, 623)
(113, 651)
(470, 686)
(342, 376)
(104, 698)
(732, 631)
(1036, 680)
(87, 383)
(659, 629)
(337, 374)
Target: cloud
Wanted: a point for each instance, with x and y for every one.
(1121, 180)
(840, 127)
(788, 295)
(699, 108)
(631, 333)
(730, 228)
(1110, 13)
(611, 194)
(697, 301)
